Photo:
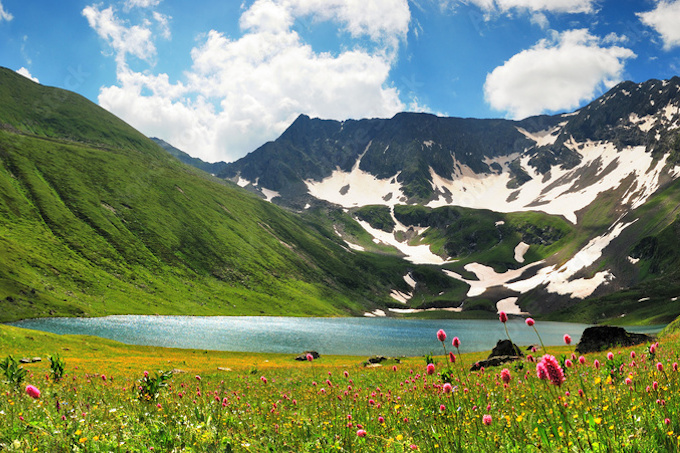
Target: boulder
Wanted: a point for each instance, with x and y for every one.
(303, 356)
(504, 351)
(493, 361)
(505, 347)
(597, 338)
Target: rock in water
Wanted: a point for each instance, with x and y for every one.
(597, 338)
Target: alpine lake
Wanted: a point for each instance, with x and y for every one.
(339, 336)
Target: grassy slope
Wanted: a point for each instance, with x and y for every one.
(96, 219)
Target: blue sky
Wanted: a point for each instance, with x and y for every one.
(219, 78)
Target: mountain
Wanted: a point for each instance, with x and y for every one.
(551, 215)
(207, 167)
(97, 219)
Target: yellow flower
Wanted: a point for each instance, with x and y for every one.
(82, 440)
(400, 437)
(78, 433)
(598, 421)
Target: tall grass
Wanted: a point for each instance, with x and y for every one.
(623, 401)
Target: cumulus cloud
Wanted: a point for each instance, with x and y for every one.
(555, 74)
(664, 19)
(239, 93)
(26, 73)
(135, 40)
(555, 6)
(4, 15)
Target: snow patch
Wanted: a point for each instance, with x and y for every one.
(417, 254)
(542, 138)
(487, 277)
(377, 313)
(410, 281)
(269, 194)
(520, 250)
(422, 310)
(633, 260)
(242, 182)
(400, 297)
(509, 306)
(559, 280)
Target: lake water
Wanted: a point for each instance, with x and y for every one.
(343, 336)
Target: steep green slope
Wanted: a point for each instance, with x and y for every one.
(96, 219)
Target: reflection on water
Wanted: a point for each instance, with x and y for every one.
(345, 336)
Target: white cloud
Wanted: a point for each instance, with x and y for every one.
(141, 3)
(555, 6)
(240, 93)
(26, 73)
(4, 15)
(555, 74)
(664, 19)
(541, 20)
(135, 40)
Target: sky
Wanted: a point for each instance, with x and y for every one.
(219, 78)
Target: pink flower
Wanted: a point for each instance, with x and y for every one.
(263, 379)
(530, 322)
(455, 342)
(530, 358)
(659, 366)
(541, 371)
(309, 357)
(361, 433)
(675, 366)
(553, 370)
(32, 391)
(146, 374)
(452, 357)
(568, 363)
(581, 360)
(447, 388)
(596, 364)
(441, 335)
(442, 407)
(655, 385)
(567, 338)
(486, 419)
(198, 378)
(632, 354)
(610, 356)
(667, 421)
(502, 317)
(381, 419)
(628, 381)
(430, 368)
(104, 378)
(505, 375)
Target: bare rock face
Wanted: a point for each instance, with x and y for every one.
(597, 338)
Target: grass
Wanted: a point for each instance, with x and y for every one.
(265, 402)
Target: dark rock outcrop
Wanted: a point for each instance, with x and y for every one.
(505, 351)
(597, 338)
(303, 356)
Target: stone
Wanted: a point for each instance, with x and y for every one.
(303, 356)
(505, 351)
(597, 338)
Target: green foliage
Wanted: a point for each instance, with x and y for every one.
(57, 366)
(150, 386)
(14, 373)
(378, 216)
(95, 219)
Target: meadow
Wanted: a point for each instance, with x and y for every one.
(97, 395)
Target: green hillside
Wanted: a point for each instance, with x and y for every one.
(96, 219)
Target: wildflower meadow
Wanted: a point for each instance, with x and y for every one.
(618, 400)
